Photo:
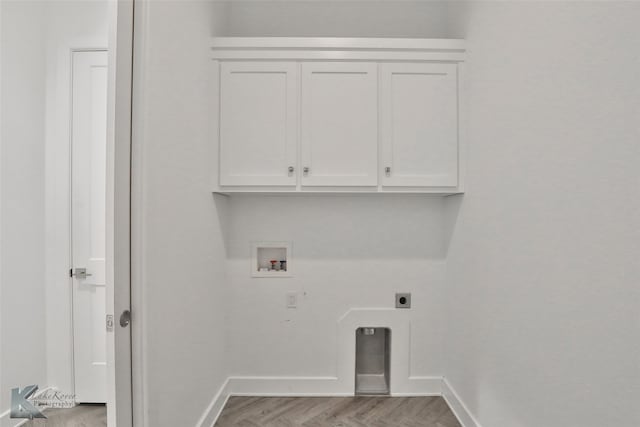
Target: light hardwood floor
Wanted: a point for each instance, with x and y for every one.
(85, 415)
(337, 412)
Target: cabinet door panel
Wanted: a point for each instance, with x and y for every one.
(419, 124)
(339, 124)
(258, 123)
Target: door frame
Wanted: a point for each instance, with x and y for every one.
(119, 45)
(58, 207)
(121, 34)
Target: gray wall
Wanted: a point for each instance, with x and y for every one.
(183, 256)
(337, 18)
(349, 251)
(543, 267)
(22, 291)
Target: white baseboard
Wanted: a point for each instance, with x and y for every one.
(211, 414)
(457, 406)
(421, 386)
(286, 386)
(323, 386)
(327, 386)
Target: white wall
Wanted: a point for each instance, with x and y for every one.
(543, 267)
(348, 252)
(182, 267)
(69, 25)
(337, 18)
(22, 301)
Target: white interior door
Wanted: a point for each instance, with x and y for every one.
(258, 123)
(88, 226)
(339, 124)
(419, 124)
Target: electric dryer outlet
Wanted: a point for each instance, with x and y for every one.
(403, 300)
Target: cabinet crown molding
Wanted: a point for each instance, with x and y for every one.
(338, 48)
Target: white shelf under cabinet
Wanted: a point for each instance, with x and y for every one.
(338, 190)
(339, 115)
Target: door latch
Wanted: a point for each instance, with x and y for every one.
(79, 273)
(109, 322)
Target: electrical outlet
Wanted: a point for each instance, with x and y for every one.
(403, 300)
(292, 300)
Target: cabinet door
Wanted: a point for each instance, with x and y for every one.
(339, 124)
(258, 123)
(419, 124)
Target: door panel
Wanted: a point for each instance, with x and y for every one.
(419, 124)
(339, 124)
(88, 210)
(258, 123)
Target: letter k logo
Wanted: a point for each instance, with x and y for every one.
(21, 407)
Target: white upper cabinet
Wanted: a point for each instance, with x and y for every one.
(258, 123)
(339, 115)
(419, 124)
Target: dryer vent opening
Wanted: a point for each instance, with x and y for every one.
(373, 354)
